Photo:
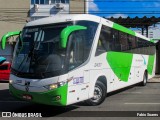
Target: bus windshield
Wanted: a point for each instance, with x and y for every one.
(38, 53)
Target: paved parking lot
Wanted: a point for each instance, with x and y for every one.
(127, 102)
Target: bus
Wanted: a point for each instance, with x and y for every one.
(66, 59)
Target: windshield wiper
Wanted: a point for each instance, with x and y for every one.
(31, 51)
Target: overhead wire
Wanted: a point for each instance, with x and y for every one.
(20, 14)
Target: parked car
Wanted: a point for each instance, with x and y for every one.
(2, 60)
(5, 71)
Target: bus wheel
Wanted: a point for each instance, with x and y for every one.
(99, 94)
(145, 78)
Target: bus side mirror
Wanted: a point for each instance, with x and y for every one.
(67, 31)
(9, 34)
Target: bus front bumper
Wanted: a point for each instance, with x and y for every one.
(56, 97)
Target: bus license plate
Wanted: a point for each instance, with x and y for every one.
(27, 97)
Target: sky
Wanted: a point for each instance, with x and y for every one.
(124, 8)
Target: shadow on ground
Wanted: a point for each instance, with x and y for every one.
(10, 104)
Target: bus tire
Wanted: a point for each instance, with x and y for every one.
(145, 79)
(99, 94)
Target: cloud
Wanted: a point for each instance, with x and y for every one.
(118, 15)
(156, 4)
(93, 6)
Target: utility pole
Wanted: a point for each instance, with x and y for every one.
(86, 5)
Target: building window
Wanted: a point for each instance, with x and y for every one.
(63, 1)
(32, 2)
(36, 1)
(46, 1)
(41, 1)
(58, 1)
(53, 1)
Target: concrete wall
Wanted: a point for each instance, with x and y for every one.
(13, 15)
(77, 6)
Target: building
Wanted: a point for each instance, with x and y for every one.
(78, 6)
(13, 16)
(153, 33)
(44, 8)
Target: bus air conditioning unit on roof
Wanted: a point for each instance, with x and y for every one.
(36, 7)
(59, 6)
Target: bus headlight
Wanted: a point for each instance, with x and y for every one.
(10, 81)
(51, 86)
(55, 85)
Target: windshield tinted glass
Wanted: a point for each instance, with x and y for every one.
(40, 52)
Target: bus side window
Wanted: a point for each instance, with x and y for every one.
(116, 45)
(104, 42)
(77, 49)
(123, 41)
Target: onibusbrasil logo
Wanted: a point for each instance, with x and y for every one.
(21, 115)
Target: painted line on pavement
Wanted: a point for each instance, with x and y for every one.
(14, 101)
(142, 103)
(134, 92)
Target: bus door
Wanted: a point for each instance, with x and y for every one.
(78, 54)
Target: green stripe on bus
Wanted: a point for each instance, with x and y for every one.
(152, 40)
(150, 64)
(120, 63)
(123, 29)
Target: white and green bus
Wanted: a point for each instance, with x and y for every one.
(66, 59)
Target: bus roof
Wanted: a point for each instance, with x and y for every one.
(63, 18)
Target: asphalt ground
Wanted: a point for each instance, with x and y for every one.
(134, 102)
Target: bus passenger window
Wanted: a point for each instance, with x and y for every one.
(116, 46)
(123, 41)
(104, 42)
(77, 49)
